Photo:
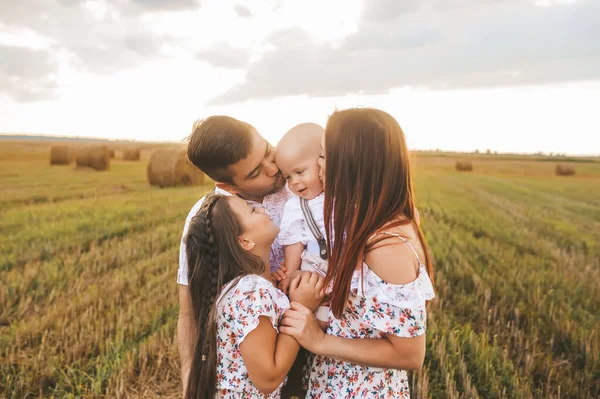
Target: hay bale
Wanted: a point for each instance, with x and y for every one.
(170, 167)
(96, 157)
(131, 155)
(60, 155)
(111, 153)
(563, 170)
(464, 166)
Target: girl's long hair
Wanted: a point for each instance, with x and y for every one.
(215, 258)
(368, 169)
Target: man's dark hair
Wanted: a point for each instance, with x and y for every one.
(218, 142)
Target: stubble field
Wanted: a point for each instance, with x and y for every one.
(88, 266)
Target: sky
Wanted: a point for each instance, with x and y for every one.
(458, 75)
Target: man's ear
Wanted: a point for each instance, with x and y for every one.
(230, 188)
(246, 244)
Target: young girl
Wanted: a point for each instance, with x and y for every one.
(302, 230)
(238, 352)
(379, 268)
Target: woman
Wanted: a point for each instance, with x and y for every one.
(379, 267)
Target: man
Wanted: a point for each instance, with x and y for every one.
(241, 162)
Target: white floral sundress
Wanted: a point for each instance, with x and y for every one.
(238, 312)
(374, 309)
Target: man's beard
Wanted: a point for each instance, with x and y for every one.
(275, 187)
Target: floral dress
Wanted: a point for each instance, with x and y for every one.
(238, 312)
(374, 309)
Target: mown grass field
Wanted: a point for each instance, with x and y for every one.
(88, 293)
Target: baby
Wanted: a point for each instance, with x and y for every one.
(302, 228)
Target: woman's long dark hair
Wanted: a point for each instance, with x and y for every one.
(215, 258)
(368, 170)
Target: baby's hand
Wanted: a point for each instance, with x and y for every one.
(307, 289)
(279, 274)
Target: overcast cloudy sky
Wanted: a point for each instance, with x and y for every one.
(509, 75)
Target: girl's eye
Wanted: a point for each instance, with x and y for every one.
(300, 172)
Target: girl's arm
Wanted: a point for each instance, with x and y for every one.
(268, 356)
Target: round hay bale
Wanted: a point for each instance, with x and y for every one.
(170, 167)
(131, 155)
(464, 166)
(60, 155)
(563, 170)
(96, 157)
(111, 153)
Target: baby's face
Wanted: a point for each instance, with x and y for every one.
(302, 175)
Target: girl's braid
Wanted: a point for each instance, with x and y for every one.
(211, 256)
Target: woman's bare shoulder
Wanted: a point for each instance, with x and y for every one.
(391, 258)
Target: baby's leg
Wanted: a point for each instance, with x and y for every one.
(322, 315)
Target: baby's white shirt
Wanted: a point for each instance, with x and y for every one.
(294, 227)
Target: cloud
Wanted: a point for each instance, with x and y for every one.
(167, 5)
(98, 37)
(225, 56)
(467, 44)
(144, 44)
(242, 11)
(26, 74)
(385, 10)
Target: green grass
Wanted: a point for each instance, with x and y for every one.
(88, 300)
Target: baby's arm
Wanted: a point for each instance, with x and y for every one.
(293, 261)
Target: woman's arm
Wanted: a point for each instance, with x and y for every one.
(394, 262)
(389, 352)
(268, 356)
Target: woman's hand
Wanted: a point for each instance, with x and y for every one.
(307, 289)
(301, 323)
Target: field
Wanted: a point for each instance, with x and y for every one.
(88, 299)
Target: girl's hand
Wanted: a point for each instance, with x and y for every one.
(307, 289)
(301, 323)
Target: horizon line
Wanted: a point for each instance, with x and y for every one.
(475, 151)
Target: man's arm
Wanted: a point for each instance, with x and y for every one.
(186, 334)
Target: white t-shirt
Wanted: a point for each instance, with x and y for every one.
(273, 205)
(294, 227)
